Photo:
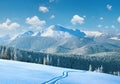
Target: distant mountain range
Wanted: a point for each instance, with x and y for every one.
(57, 39)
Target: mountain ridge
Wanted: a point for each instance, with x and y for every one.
(58, 39)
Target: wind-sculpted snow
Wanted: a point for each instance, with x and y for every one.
(12, 72)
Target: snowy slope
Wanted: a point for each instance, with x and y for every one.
(25, 34)
(4, 39)
(12, 72)
(59, 31)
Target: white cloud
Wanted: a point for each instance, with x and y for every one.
(51, 1)
(109, 7)
(113, 26)
(43, 9)
(106, 27)
(52, 16)
(77, 20)
(35, 22)
(99, 26)
(101, 18)
(8, 25)
(118, 19)
(84, 16)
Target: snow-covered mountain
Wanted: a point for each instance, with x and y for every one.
(37, 34)
(55, 39)
(4, 39)
(93, 33)
(59, 31)
(58, 39)
(25, 34)
(13, 72)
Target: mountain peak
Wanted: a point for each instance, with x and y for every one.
(25, 34)
(54, 30)
(29, 32)
(37, 34)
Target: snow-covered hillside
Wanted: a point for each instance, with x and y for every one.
(12, 72)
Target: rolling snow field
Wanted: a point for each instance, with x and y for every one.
(13, 72)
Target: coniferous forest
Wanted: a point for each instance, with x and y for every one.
(109, 63)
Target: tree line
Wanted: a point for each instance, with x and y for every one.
(106, 64)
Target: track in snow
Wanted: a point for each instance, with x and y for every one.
(54, 80)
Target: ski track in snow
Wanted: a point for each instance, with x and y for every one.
(55, 79)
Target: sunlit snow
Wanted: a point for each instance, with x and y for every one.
(12, 72)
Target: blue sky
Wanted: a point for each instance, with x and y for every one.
(21, 15)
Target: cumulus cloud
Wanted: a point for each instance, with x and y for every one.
(118, 19)
(99, 26)
(106, 27)
(113, 26)
(43, 9)
(35, 22)
(77, 20)
(8, 25)
(52, 16)
(84, 16)
(101, 18)
(109, 7)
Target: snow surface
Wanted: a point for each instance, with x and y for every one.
(93, 33)
(12, 72)
(114, 38)
(59, 31)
